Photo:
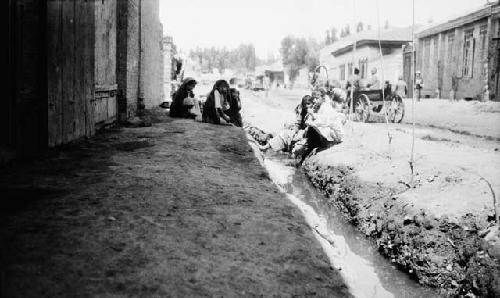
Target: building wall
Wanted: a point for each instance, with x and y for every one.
(127, 64)
(167, 66)
(151, 83)
(24, 112)
(391, 61)
(440, 59)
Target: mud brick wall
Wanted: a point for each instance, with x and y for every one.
(151, 84)
(167, 66)
(127, 63)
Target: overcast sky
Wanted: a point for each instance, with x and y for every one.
(264, 23)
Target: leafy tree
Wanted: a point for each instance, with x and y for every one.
(298, 53)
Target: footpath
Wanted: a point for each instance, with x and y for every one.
(178, 209)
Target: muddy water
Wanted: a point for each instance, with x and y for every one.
(366, 272)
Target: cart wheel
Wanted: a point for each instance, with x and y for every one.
(362, 108)
(397, 110)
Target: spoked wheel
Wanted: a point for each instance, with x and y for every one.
(396, 111)
(362, 106)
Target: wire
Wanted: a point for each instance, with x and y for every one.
(412, 68)
(389, 135)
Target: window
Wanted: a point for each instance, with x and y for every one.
(350, 71)
(363, 68)
(342, 72)
(468, 57)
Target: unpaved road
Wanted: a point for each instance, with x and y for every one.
(179, 209)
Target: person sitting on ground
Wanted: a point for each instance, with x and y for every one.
(234, 107)
(183, 100)
(324, 129)
(216, 103)
(319, 97)
(286, 139)
(339, 98)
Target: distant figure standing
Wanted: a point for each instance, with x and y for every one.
(419, 84)
(374, 83)
(400, 88)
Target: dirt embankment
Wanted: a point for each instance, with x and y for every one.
(442, 253)
(178, 209)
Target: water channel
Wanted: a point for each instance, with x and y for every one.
(365, 271)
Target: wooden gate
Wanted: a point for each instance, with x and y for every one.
(104, 101)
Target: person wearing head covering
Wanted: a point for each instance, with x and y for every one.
(339, 97)
(419, 84)
(183, 95)
(400, 88)
(216, 103)
(287, 139)
(234, 107)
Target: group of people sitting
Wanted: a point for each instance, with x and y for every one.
(319, 125)
(222, 105)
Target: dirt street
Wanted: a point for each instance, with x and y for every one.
(179, 209)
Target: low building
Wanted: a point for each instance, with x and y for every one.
(275, 72)
(367, 50)
(459, 58)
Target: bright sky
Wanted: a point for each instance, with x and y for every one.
(264, 23)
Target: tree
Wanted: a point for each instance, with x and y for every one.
(298, 53)
(328, 39)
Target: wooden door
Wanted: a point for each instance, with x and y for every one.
(104, 101)
(407, 72)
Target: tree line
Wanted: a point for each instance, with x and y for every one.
(242, 58)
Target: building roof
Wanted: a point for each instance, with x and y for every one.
(392, 36)
(275, 67)
(460, 20)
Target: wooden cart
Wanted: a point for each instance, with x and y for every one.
(370, 102)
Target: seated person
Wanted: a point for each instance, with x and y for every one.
(292, 134)
(234, 107)
(324, 129)
(182, 100)
(339, 98)
(216, 103)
